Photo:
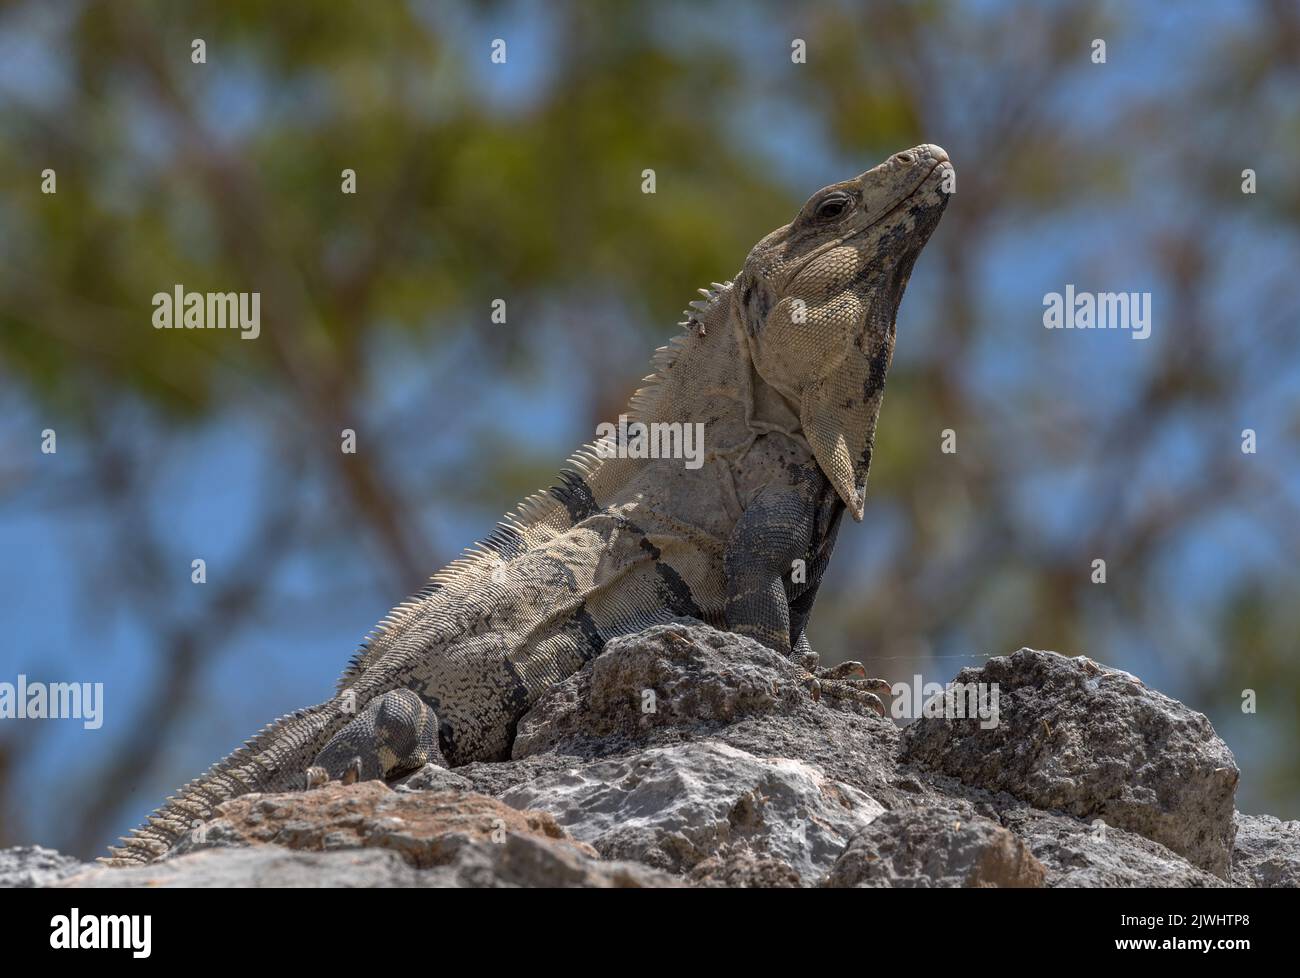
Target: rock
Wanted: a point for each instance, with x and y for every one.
(263, 866)
(744, 870)
(1095, 743)
(1077, 854)
(1267, 852)
(668, 675)
(932, 847)
(739, 777)
(674, 807)
(431, 777)
(28, 866)
(706, 684)
(425, 828)
(519, 862)
(468, 838)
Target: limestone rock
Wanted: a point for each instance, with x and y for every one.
(937, 846)
(1094, 743)
(673, 807)
(684, 756)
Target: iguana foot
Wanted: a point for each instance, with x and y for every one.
(396, 732)
(848, 681)
(844, 681)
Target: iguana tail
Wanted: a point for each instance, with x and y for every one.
(273, 760)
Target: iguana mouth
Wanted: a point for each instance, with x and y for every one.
(923, 184)
(920, 185)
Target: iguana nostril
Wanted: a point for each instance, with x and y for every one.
(904, 157)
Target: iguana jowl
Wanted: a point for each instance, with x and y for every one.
(785, 367)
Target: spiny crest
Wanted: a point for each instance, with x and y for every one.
(543, 514)
(645, 398)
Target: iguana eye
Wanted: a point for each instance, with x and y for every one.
(832, 207)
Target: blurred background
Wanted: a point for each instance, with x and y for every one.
(522, 181)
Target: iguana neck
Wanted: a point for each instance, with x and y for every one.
(707, 375)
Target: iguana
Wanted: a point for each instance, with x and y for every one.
(785, 368)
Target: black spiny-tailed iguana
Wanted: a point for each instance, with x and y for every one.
(785, 368)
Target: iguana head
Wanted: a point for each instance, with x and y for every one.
(818, 299)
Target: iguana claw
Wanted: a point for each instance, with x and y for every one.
(352, 773)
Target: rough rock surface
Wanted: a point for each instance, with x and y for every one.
(1077, 854)
(688, 756)
(1267, 852)
(421, 838)
(24, 866)
(1094, 743)
(673, 807)
(936, 847)
(693, 678)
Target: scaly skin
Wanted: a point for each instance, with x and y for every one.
(785, 368)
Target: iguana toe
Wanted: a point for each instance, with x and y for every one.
(856, 692)
(843, 670)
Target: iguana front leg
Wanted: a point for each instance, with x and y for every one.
(397, 732)
(775, 530)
